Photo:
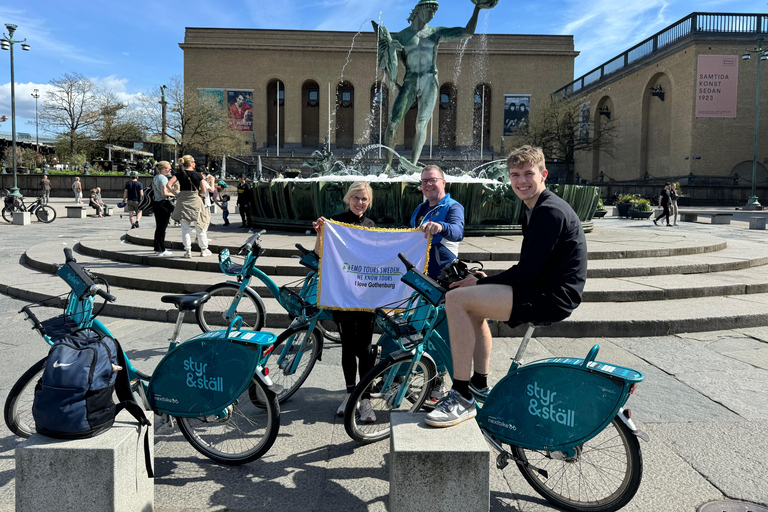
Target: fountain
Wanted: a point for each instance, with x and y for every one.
(490, 206)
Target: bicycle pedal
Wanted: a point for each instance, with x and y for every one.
(502, 460)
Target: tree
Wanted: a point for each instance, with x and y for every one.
(563, 128)
(118, 122)
(194, 122)
(71, 109)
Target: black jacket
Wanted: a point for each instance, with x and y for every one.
(553, 257)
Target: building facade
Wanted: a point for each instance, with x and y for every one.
(683, 104)
(296, 88)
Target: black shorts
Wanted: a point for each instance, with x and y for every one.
(530, 305)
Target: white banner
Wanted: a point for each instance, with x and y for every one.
(359, 267)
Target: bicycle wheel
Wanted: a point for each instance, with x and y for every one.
(389, 370)
(210, 314)
(45, 214)
(603, 476)
(331, 331)
(245, 433)
(8, 214)
(302, 344)
(18, 405)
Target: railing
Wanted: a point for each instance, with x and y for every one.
(695, 23)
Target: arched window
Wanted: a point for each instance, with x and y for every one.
(446, 137)
(310, 114)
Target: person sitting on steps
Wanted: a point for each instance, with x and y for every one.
(545, 286)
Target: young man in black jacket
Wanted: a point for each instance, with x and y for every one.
(544, 286)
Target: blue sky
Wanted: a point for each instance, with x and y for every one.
(133, 46)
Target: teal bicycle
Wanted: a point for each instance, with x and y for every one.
(213, 385)
(301, 344)
(561, 420)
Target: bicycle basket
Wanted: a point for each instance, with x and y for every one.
(394, 325)
(295, 305)
(227, 265)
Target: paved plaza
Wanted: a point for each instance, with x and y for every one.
(703, 402)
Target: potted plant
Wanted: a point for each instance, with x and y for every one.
(640, 209)
(623, 204)
(600, 211)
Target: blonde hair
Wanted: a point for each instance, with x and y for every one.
(186, 161)
(526, 155)
(356, 186)
(163, 164)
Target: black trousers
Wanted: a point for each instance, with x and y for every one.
(162, 211)
(356, 332)
(665, 213)
(245, 213)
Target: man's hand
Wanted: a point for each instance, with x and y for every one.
(470, 280)
(431, 228)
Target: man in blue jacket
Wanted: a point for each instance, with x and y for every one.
(546, 285)
(440, 217)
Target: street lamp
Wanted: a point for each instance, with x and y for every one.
(753, 203)
(6, 43)
(36, 94)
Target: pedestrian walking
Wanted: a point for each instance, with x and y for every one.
(132, 196)
(77, 188)
(162, 206)
(673, 195)
(664, 201)
(45, 186)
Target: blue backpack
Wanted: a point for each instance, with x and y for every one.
(73, 399)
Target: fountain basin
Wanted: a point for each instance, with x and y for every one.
(490, 207)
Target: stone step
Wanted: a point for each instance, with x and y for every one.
(591, 319)
(137, 273)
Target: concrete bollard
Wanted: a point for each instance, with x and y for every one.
(76, 212)
(444, 469)
(106, 472)
(22, 218)
(754, 222)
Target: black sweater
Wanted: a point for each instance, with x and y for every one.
(553, 257)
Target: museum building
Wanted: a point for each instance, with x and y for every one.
(296, 88)
(683, 103)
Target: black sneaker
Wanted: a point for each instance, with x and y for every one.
(655, 222)
(136, 225)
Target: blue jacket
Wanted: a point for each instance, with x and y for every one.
(445, 245)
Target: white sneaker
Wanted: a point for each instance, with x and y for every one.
(165, 253)
(366, 411)
(188, 254)
(452, 410)
(340, 410)
(205, 253)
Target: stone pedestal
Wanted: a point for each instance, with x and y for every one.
(75, 212)
(754, 222)
(24, 218)
(444, 469)
(105, 472)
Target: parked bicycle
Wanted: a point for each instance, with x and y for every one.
(301, 344)
(562, 419)
(214, 384)
(43, 212)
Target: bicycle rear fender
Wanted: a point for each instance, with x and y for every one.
(556, 403)
(204, 374)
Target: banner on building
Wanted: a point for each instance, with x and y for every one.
(240, 110)
(717, 79)
(516, 110)
(216, 95)
(359, 267)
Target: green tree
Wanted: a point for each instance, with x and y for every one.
(193, 122)
(71, 109)
(563, 128)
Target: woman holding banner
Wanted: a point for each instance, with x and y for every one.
(355, 327)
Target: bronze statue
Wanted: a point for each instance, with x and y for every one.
(417, 46)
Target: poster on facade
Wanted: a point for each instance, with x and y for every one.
(216, 95)
(584, 123)
(717, 79)
(516, 110)
(240, 110)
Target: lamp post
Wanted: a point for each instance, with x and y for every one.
(6, 43)
(753, 203)
(36, 94)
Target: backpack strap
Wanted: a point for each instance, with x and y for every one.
(128, 402)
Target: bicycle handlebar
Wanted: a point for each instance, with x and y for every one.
(303, 250)
(408, 264)
(103, 293)
(33, 318)
(248, 245)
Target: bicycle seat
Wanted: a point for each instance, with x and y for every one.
(188, 302)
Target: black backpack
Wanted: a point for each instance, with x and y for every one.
(73, 398)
